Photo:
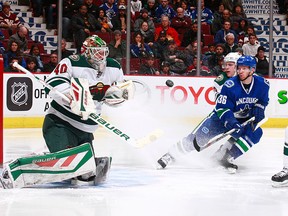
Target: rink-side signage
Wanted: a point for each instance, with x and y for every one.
(19, 93)
(190, 96)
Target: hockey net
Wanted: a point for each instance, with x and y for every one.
(1, 108)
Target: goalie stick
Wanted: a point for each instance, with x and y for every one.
(223, 135)
(138, 143)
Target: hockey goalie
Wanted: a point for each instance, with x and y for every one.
(88, 80)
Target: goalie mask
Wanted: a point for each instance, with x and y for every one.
(95, 50)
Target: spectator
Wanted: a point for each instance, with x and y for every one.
(70, 7)
(164, 9)
(192, 69)
(230, 45)
(181, 23)
(282, 7)
(64, 52)
(147, 34)
(21, 38)
(171, 33)
(213, 4)
(218, 69)
(138, 48)
(148, 67)
(37, 6)
(111, 8)
(251, 47)
(176, 58)
(136, 6)
(250, 30)
(13, 50)
(35, 53)
(32, 65)
(240, 51)
(219, 21)
(238, 14)
(83, 24)
(217, 14)
(50, 66)
(206, 14)
(214, 59)
(262, 66)
(9, 20)
(242, 28)
(160, 45)
(9, 67)
(151, 8)
(117, 46)
(191, 51)
(220, 36)
(104, 21)
(2, 48)
(92, 8)
(165, 68)
(191, 35)
(186, 7)
(119, 21)
(144, 17)
(50, 13)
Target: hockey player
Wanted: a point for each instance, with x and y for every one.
(280, 179)
(87, 80)
(241, 97)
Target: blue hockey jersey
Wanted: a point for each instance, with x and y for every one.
(235, 101)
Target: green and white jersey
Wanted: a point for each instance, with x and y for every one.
(218, 83)
(99, 81)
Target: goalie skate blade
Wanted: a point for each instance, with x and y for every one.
(280, 184)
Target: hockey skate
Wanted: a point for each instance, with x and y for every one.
(165, 160)
(226, 162)
(5, 181)
(280, 179)
(103, 165)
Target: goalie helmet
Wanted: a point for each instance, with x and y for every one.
(232, 57)
(95, 50)
(247, 61)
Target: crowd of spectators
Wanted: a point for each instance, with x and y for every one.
(163, 33)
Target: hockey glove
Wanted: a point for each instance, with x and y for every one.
(258, 111)
(119, 92)
(236, 126)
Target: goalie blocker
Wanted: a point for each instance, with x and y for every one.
(55, 167)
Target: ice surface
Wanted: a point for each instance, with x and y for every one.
(191, 187)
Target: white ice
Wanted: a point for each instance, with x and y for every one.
(191, 187)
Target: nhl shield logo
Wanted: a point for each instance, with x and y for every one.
(19, 95)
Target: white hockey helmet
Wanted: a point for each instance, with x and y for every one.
(95, 50)
(232, 57)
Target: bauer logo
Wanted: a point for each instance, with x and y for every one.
(19, 93)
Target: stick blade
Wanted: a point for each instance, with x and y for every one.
(149, 138)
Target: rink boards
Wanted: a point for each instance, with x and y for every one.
(190, 99)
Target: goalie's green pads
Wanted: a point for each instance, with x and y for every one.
(82, 103)
(119, 92)
(52, 167)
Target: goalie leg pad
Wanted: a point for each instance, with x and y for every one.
(52, 167)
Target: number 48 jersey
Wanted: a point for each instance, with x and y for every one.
(236, 100)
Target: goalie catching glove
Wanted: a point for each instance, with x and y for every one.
(82, 103)
(119, 92)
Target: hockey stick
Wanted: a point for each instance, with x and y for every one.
(96, 118)
(221, 136)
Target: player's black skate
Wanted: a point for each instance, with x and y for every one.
(227, 164)
(280, 179)
(165, 160)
